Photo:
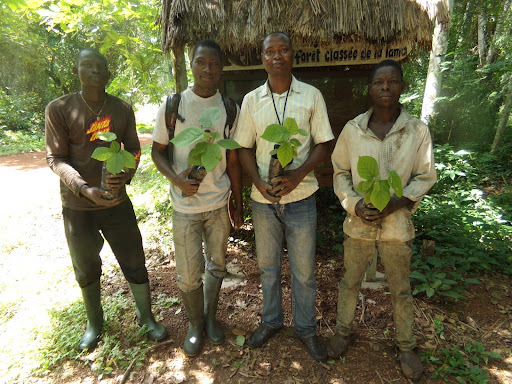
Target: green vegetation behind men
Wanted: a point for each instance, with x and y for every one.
(401, 143)
(202, 214)
(72, 125)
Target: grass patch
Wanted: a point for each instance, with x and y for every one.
(14, 142)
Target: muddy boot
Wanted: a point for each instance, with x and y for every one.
(410, 364)
(142, 296)
(211, 298)
(337, 346)
(194, 302)
(92, 300)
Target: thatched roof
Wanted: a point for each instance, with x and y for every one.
(240, 25)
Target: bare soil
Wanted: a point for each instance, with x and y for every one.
(34, 248)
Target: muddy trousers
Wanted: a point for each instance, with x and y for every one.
(396, 258)
(85, 234)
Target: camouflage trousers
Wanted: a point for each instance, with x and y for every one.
(396, 258)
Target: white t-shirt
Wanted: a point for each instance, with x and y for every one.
(213, 192)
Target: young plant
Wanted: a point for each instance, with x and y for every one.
(207, 152)
(376, 190)
(115, 158)
(282, 135)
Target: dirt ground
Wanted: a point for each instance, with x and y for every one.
(35, 258)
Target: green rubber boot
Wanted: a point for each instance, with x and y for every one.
(211, 298)
(193, 302)
(142, 296)
(91, 295)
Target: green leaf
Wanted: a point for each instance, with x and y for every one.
(228, 144)
(240, 340)
(194, 157)
(107, 136)
(430, 292)
(187, 136)
(285, 154)
(273, 152)
(367, 167)
(395, 183)
(128, 158)
(365, 185)
(115, 147)
(209, 117)
(380, 194)
(275, 133)
(368, 198)
(102, 154)
(303, 132)
(211, 156)
(291, 125)
(295, 142)
(115, 164)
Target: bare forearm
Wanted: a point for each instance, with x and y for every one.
(159, 157)
(234, 171)
(315, 158)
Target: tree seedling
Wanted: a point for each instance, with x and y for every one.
(207, 151)
(282, 135)
(115, 158)
(376, 190)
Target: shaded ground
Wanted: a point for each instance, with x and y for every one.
(37, 275)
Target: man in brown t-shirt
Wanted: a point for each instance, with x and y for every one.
(90, 214)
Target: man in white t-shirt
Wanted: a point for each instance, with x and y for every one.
(203, 214)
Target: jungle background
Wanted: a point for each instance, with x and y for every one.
(463, 295)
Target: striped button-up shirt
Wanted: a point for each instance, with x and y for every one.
(406, 149)
(306, 104)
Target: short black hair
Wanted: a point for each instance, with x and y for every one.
(89, 49)
(210, 44)
(386, 63)
(277, 33)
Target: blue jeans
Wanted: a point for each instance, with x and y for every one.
(295, 222)
(189, 230)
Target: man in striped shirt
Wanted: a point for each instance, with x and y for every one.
(285, 208)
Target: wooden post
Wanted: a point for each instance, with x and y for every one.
(179, 68)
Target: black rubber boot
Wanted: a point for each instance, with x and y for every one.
(142, 296)
(211, 298)
(91, 295)
(193, 302)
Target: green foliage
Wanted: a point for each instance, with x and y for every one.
(463, 363)
(282, 135)
(471, 231)
(115, 158)
(376, 190)
(207, 151)
(122, 339)
(240, 340)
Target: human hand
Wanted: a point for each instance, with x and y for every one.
(98, 196)
(265, 189)
(116, 182)
(283, 185)
(238, 219)
(188, 186)
(368, 214)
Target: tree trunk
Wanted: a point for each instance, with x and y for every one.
(491, 56)
(482, 38)
(179, 68)
(505, 114)
(434, 78)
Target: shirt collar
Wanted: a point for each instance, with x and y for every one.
(295, 86)
(403, 118)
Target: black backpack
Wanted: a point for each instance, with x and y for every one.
(171, 114)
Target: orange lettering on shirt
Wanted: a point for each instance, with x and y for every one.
(97, 126)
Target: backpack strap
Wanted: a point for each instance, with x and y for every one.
(171, 114)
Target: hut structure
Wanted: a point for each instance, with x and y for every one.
(336, 42)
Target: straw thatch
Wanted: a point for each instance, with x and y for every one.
(239, 25)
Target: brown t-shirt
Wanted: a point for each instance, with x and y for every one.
(71, 137)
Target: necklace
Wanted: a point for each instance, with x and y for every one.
(92, 110)
(275, 108)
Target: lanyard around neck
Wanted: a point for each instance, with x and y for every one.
(285, 102)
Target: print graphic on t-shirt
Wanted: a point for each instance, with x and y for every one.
(93, 127)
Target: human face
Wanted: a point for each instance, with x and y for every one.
(386, 87)
(206, 69)
(92, 70)
(277, 55)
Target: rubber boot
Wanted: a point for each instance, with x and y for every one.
(211, 298)
(193, 302)
(142, 296)
(91, 295)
